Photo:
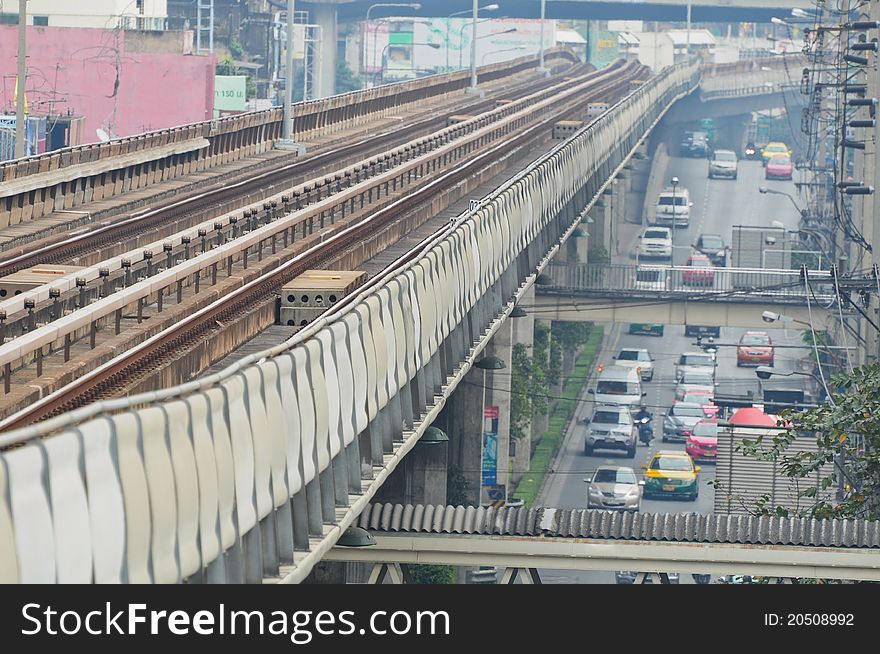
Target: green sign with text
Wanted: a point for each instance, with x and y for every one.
(229, 93)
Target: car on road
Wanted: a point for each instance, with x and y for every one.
(673, 207)
(645, 329)
(694, 144)
(637, 358)
(774, 148)
(671, 474)
(700, 271)
(693, 380)
(618, 385)
(611, 426)
(723, 163)
(629, 577)
(754, 349)
(655, 243)
(705, 399)
(779, 167)
(701, 361)
(614, 487)
(702, 444)
(713, 246)
(680, 420)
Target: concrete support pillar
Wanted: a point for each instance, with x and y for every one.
(498, 395)
(421, 479)
(462, 418)
(325, 16)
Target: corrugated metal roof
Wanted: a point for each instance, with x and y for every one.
(590, 523)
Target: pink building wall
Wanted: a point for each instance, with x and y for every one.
(90, 73)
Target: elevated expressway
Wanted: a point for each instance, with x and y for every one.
(263, 465)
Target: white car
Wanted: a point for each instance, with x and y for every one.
(655, 243)
(699, 361)
(637, 358)
(694, 380)
(673, 208)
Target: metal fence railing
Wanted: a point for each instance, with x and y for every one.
(672, 281)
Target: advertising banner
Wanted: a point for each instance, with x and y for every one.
(603, 48)
(490, 446)
(229, 93)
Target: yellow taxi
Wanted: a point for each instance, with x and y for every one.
(773, 149)
(671, 474)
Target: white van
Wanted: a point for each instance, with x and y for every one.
(618, 385)
(673, 205)
(651, 278)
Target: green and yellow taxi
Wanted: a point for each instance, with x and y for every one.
(671, 474)
(773, 149)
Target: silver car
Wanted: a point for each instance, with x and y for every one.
(702, 361)
(611, 426)
(638, 358)
(693, 380)
(615, 488)
(722, 164)
(680, 420)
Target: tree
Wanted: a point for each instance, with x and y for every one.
(847, 433)
(346, 80)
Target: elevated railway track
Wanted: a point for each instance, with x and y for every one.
(338, 219)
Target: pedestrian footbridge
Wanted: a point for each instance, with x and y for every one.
(726, 297)
(587, 539)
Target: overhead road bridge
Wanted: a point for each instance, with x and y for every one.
(704, 11)
(591, 539)
(265, 464)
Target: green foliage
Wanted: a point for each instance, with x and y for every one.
(598, 254)
(346, 80)
(848, 430)
(528, 391)
(554, 366)
(457, 487)
(430, 574)
(530, 484)
(571, 335)
(250, 87)
(235, 49)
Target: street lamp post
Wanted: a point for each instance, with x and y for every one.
(287, 140)
(485, 36)
(436, 46)
(674, 183)
(494, 52)
(491, 7)
(407, 5)
(541, 68)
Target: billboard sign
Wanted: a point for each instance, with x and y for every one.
(229, 93)
(490, 446)
(603, 48)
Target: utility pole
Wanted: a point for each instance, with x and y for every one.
(21, 81)
(541, 67)
(287, 133)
